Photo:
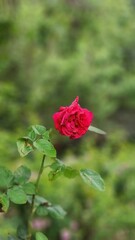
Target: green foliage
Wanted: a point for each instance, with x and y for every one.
(44, 208)
(16, 186)
(45, 147)
(4, 202)
(24, 147)
(40, 236)
(56, 211)
(41, 211)
(69, 172)
(39, 200)
(38, 129)
(92, 178)
(59, 168)
(51, 52)
(6, 177)
(107, 213)
(22, 175)
(29, 188)
(17, 195)
(39, 138)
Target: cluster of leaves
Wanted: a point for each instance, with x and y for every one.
(17, 188)
(90, 177)
(43, 207)
(39, 138)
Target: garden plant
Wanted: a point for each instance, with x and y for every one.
(18, 188)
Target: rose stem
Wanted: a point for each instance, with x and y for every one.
(34, 195)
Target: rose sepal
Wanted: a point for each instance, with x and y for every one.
(96, 130)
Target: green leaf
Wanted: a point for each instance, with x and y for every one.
(93, 179)
(52, 175)
(46, 135)
(70, 172)
(24, 146)
(45, 147)
(6, 177)
(40, 236)
(39, 201)
(22, 175)
(17, 195)
(57, 172)
(59, 168)
(31, 134)
(29, 188)
(96, 130)
(4, 202)
(56, 211)
(38, 129)
(57, 164)
(42, 211)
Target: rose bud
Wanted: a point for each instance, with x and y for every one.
(73, 121)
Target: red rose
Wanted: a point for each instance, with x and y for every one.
(73, 121)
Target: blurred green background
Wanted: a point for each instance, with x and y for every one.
(50, 52)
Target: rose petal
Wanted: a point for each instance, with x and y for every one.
(72, 121)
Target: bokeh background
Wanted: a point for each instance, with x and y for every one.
(50, 52)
